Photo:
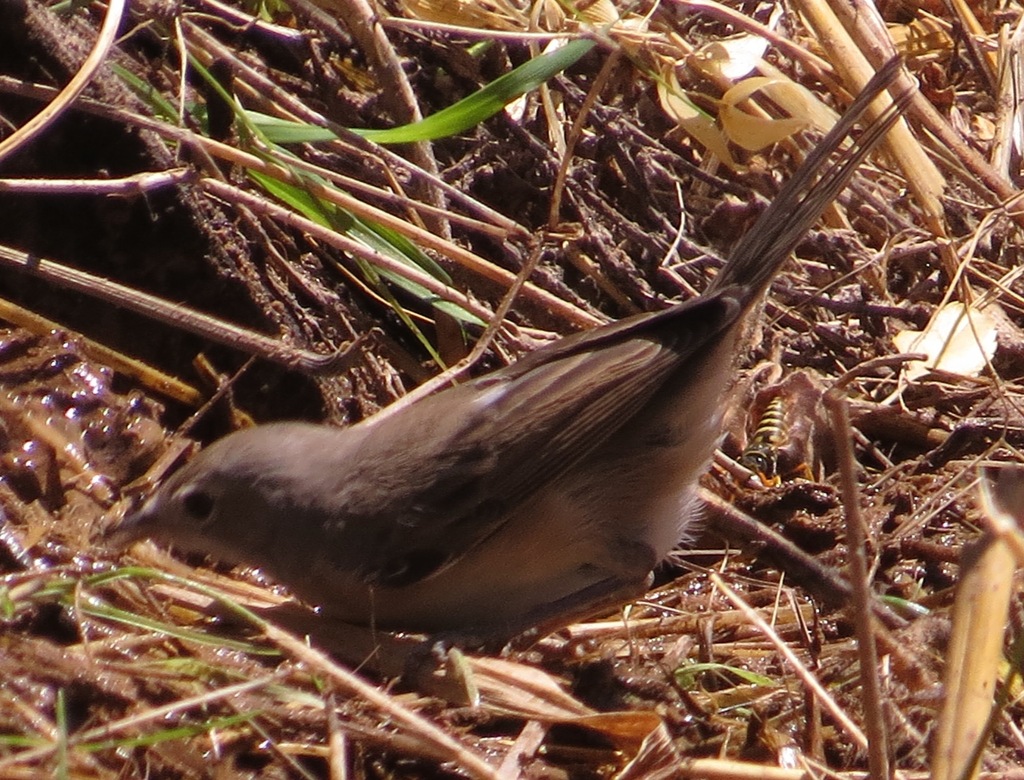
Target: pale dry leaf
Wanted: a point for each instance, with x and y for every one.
(731, 58)
(735, 57)
(487, 15)
(923, 37)
(958, 340)
(754, 133)
(691, 119)
(601, 13)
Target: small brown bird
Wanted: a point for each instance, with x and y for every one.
(536, 493)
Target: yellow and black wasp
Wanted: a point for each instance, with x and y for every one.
(783, 446)
(762, 453)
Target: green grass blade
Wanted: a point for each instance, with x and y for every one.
(61, 723)
(158, 104)
(486, 102)
(457, 118)
(381, 239)
(286, 131)
(687, 675)
(174, 733)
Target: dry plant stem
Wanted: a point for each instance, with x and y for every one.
(400, 201)
(37, 124)
(496, 223)
(148, 376)
(1008, 97)
(283, 751)
(362, 21)
(986, 61)
(924, 179)
(471, 262)
(593, 94)
(526, 746)
(494, 323)
(945, 495)
(673, 622)
(830, 587)
(1005, 518)
(973, 659)
(234, 196)
(263, 91)
(722, 769)
(982, 177)
(975, 650)
(246, 21)
(203, 367)
(434, 742)
(997, 289)
(525, 691)
(337, 744)
(820, 580)
(842, 719)
(513, 36)
(112, 729)
(573, 315)
(258, 88)
(177, 451)
(819, 67)
(867, 653)
(193, 321)
(129, 186)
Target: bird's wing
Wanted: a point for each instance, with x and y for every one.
(495, 442)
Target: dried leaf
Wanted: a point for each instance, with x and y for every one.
(690, 118)
(731, 58)
(958, 340)
(756, 132)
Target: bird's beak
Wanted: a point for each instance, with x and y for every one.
(135, 526)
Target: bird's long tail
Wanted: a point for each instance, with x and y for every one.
(801, 201)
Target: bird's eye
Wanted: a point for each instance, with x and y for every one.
(198, 504)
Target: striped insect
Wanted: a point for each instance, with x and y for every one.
(762, 453)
